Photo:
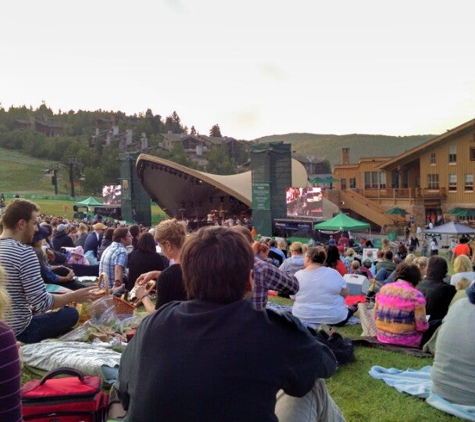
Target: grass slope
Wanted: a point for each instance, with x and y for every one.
(329, 146)
(23, 174)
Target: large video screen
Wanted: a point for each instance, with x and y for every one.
(304, 202)
(111, 194)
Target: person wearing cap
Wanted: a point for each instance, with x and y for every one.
(29, 317)
(61, 238)
(77, 256)
(94, 239)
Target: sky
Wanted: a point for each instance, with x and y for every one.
(255, 67)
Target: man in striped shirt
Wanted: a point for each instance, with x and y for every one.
(24, 283)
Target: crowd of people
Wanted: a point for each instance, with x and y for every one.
(219, 345)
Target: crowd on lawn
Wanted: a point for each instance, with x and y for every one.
(210, 349)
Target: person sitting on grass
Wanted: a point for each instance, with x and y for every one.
(218, 358)
(29, 317)
(453, 371)
(400, 309)
(10, 375)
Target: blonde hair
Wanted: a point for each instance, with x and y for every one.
(462, 264)
(462, 284)
(421, 261)
(296, 247)
(350, 252)
(4, 296)
(83, 228)
(172, 231)
(410, 258)
(355, 265)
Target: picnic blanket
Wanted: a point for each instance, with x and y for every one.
(417, 382)
(282, 309)
(373, 342)
(89, 358)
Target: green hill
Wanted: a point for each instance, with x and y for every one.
(23, 174)
(329, 146)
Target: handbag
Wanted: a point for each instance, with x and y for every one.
(342, 347)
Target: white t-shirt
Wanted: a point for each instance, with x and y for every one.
(318, 299)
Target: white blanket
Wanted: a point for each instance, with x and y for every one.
(85, 357)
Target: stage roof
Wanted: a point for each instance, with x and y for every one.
(182, 191)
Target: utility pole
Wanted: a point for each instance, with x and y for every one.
(54, 181)
(71, 162)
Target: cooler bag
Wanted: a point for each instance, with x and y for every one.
(76, 398)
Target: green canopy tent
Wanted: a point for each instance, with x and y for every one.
(325, 179)
(396, 211)
(342, 222)
(89, 202)
(454, 210)
(464, 212)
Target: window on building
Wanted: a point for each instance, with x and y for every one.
(472, 154)
(343, 183)
(367, 179)
(433, 181)
(469, 182)
(453, 154)
(452, 182)
(432, 158)
(352, 183)
(382, 180)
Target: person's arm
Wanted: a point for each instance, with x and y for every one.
(119, 273)
(146, 277)
(78, 296)
(281, 281)
(420, 318)
(344, 291)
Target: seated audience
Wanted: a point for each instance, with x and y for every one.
(275, 253)
(358, 269)
(170, 235)
(268, 277)
(322, 292)
(229, 361)
(421, 262)
(10, 373)
(438, 294)
(387, 262)
(144, 259)
(400, 309)
(105, 242)
(61, 239)
(83, 231)
(296, 261)
(462, 269)
(77, 256)
(453, 371)
(29, 317)
(333, 260)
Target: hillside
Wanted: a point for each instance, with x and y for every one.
(23, 174)
(329, 146)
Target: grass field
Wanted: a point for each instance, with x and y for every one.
(362, 398)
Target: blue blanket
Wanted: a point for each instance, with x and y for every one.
(418, 383)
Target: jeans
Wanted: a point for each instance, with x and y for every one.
(49, 325)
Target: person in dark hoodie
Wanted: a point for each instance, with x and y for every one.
(61, 238)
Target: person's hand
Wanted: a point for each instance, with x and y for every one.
(146, 277)
(140, 292)
(84, 295)
(70, 275)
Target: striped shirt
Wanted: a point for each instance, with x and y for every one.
(400, 312)
(10, 376)
(24, 284)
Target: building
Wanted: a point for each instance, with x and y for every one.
(426, 181)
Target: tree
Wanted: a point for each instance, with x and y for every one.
(215, 131)
(219, 161)
(193, 131)
(173, 123)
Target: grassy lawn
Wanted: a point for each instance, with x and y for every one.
(361, 397)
